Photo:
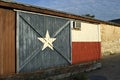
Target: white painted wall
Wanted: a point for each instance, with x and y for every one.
(89, 33)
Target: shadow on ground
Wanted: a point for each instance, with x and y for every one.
(110, 69)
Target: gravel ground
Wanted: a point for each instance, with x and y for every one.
(110, 69)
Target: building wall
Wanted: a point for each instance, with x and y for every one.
(86, 43)
(7, 42)
(110, 37)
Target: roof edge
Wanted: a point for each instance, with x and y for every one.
(27, 7)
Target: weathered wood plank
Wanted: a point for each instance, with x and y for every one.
(34, 26)
(7, 41)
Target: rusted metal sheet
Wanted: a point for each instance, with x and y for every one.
(7, 42)
(85, 51)
(42, 41)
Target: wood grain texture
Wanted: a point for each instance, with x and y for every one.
(7, 41)
(30, 53)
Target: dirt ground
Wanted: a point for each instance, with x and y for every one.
(110, 69)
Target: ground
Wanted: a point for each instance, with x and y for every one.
(110, 69)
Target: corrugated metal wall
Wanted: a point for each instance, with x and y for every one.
(30, 53)
(7, 41)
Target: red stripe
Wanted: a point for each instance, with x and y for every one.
(85, 51)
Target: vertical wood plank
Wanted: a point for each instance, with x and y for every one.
(7, 41)
(1, 48)
(30, 56)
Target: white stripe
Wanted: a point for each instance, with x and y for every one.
(89, 33)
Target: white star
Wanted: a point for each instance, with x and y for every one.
(47, 41)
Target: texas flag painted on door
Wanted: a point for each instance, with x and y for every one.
(46, 42)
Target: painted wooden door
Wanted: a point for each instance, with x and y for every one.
(43, 41)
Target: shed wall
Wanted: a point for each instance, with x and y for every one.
(7, 41)
(110, 36)
(86, 43)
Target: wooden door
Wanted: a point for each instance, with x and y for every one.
(43, 41)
